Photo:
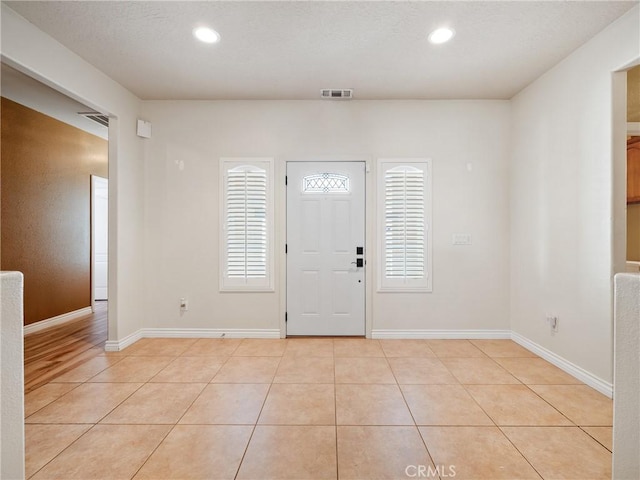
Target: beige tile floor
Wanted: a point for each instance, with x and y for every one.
(318, 408)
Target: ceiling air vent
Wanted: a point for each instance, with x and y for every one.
(337, 93)
(96, 117)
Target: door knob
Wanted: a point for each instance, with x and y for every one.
(358, 263)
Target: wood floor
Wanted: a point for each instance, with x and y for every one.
(56, 350)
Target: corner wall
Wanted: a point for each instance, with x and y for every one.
(562, 201)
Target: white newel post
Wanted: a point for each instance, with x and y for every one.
(626, 378)
(12, 377)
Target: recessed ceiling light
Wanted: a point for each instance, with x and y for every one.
(441, 35)
(206, 35)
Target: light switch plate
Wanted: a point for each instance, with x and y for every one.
(461, 239)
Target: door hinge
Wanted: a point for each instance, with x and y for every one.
(286, 248)
(286, 180)
(285, 317)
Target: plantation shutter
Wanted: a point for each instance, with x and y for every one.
(405, 218)
(246, 227)
(247, 223)
(404, 223)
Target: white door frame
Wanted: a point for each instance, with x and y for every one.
(281, 231)
(620, 130)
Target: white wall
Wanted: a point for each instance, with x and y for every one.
(29, 50)
(470, 283)
(561, 201)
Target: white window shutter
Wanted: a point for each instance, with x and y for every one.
(404, 220)
(246, 223)
(246, 229)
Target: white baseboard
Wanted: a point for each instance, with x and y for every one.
(117, 345)
(58, 320)
(209, 333)
(440, 334)
(581, 374)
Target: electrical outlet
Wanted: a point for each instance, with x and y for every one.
(552, 320)
(184, 305)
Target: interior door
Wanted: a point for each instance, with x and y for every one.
(100, 235)
(325, 248)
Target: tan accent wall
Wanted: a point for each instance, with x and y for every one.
(45, 170)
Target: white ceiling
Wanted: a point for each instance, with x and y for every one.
(290, 50)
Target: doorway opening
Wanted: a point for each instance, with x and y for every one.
(633, 170)
(60, 144)
(99, 240)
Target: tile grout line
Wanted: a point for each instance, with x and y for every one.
(521, 453)
(78, 384)
(573, 424)
(181, 416)
(154, 449)
(54, 400)
(494, 421)
(190, 405)
(147, 382)
(93, 425)
(495, 425)
(594, 438)
(550, 404)
(168, 431)
(255, 425)
(65, 448)
(415, 424)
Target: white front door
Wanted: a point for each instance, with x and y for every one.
(325, 245)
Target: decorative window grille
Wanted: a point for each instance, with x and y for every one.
(325, 183)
